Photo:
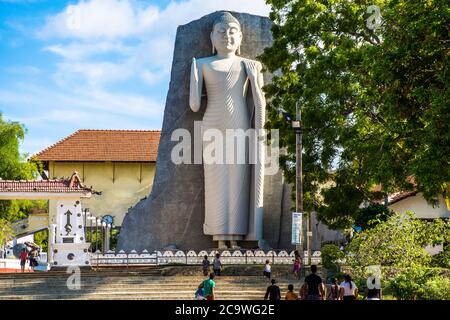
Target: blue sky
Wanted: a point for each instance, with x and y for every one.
(91, 64)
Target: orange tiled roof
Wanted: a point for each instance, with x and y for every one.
(71, 185)
(105, 145)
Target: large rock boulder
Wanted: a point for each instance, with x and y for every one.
(173, 214)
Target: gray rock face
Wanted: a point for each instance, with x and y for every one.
(174, 211)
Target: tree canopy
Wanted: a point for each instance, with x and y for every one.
(14, 166)
(399, 241)
(375, 101)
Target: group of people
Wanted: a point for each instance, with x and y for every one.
(217, 265)
(28, 256)
(314, 289)
(205, 290)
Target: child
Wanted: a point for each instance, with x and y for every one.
(205, 265)
(291, 295)
(267, 270)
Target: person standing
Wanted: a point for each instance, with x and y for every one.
(333, 294)
(208, 287)
(205, 266)
(217, 265)
(374, 293)
(267, 270)
(313, 288)
(349, 291)
(273, 292)
(291, 295)
(31, 260)
(23, 259)
(297, 264)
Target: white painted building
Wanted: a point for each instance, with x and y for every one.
(67, 239)
(415, 202)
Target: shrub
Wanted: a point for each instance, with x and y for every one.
(398, 242)
(442, 259)
(438, 288)
(410, 283)
(330, 256)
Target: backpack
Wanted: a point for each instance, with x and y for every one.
(199, 294)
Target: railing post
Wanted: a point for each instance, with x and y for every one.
(127, 260)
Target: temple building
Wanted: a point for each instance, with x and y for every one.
(118, 163)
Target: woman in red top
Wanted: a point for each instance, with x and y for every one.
(23, 259)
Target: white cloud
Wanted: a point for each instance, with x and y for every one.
(109, 19)
(104, 43)
(100, 19)
(95, 74)
(80, 50)
(102, 27)
(123, 18)
(81, 99)
(24, 70)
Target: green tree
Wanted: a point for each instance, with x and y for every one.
(14, 166)
(397, 242)
(375, 102)
(368, 217)
(41, 239)
(6, 233)
(419, 282)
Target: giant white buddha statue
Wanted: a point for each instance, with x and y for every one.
(233, 191)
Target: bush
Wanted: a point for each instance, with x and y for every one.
(398, 242)
(438, 288)
(411, 283)
(442, 259)
(330, 256)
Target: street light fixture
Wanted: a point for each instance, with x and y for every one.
(86, 213)
(102, 236)
(97, 222)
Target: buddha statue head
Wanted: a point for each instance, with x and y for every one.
(226, 35)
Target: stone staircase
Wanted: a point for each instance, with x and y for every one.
(132, 284)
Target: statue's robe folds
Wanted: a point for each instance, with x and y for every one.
(227, 184)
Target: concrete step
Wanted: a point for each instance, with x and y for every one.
(143, 284)
(133, 285)
(126, 297)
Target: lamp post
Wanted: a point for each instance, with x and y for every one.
(107, 238)
(103, 236)
(91, 219)
(298, 129)
(111, 233)
(86, 213)
(297, 126)
(97, 222)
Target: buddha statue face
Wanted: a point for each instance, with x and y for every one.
(226, 37)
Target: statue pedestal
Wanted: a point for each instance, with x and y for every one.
(71, 254)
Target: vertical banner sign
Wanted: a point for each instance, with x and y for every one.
(296, 227)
